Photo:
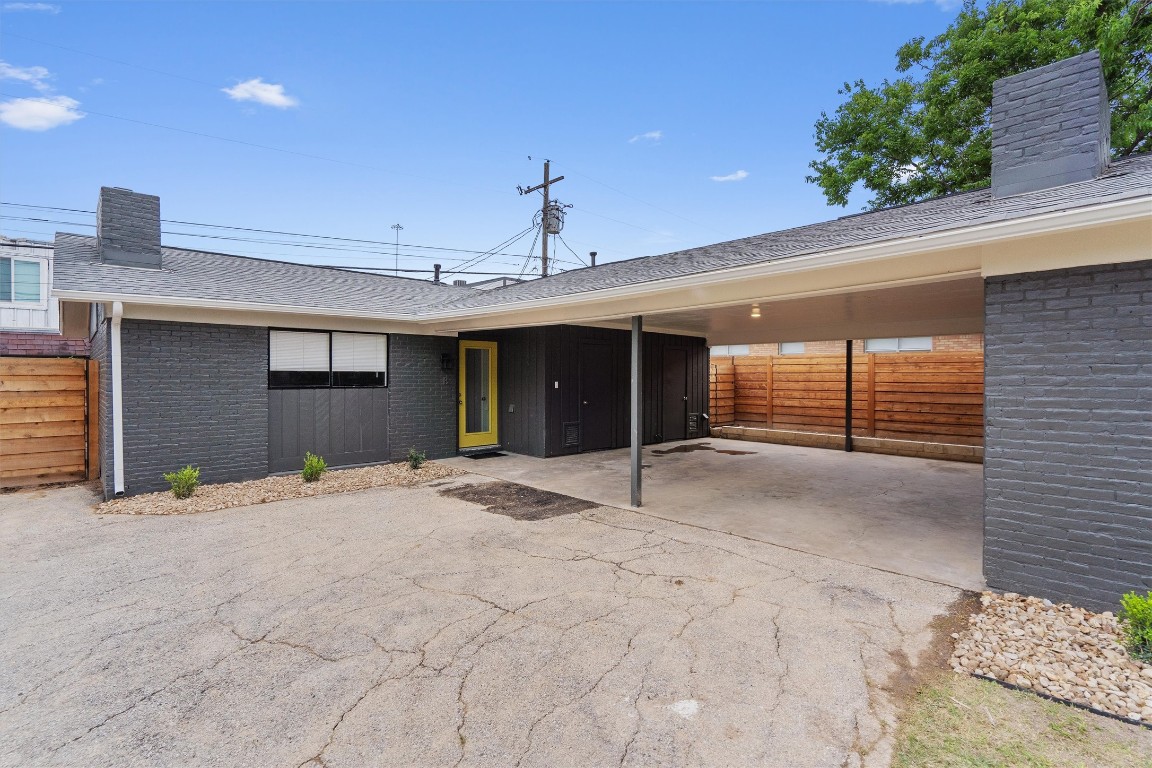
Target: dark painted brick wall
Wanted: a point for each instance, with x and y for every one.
(101, 352)
(194, 394)
(422, 396)
(1068, 448)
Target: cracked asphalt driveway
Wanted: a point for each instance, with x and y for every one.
(402, 627)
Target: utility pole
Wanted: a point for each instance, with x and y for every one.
(397, 227)
(543, 214)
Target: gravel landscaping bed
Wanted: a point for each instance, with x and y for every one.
(226, 495)
(1058, 650)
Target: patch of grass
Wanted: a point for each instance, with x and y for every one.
(960, 722)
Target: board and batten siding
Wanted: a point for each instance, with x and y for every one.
(520, 357)
(344, 425)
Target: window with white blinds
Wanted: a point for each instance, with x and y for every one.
(359, 359)
(323, 359)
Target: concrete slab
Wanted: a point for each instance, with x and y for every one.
(916, 517)
(402, 627)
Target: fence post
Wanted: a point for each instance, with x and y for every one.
(768, 391)
(871, 394)
(92, 428)
(848, 396)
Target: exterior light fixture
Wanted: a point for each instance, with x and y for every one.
(755, 310)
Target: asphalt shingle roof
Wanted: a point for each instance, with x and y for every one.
(212, 276)
(188, 274)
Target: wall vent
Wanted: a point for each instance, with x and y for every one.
(572, 434)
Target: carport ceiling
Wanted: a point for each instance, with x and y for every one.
(925, 309)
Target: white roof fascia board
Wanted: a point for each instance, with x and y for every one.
(217, 304)
(137, 311)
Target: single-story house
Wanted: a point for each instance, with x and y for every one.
(240, 365)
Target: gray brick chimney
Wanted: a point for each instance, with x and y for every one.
(1050, 126)
(128, 228)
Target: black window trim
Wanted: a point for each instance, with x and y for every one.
(330, 384)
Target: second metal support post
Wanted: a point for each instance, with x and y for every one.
(636, 391)
(848, 396)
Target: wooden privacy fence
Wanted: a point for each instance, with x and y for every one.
(931, 397)
(48, 420)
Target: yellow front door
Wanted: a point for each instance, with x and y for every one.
(478, 412)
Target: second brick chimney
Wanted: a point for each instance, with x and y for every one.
(128, 228)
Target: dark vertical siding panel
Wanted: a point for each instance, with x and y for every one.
(522, 386)
(532, 360)
(345, 426)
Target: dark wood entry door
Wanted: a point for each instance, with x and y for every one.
(597, 411)
(674, 425)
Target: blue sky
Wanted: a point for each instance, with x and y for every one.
(675, 124)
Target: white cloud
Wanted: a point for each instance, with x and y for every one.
(39, 114)
(41, 7)
(738, 176)
(37, 77)
(651, 136)
(268, 94)
(36, 113)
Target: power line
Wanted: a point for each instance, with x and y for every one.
(260, 231)
(216, 86)
(108, 58)
(477, 259)
(531, 250)
(582, 262)
(459, 269)
(268, 147)
(637, 199)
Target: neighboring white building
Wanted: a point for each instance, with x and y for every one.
(26, 303)
(33, 322)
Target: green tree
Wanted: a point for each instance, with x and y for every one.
(926, 133)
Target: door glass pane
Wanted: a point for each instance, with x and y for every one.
(476, 417)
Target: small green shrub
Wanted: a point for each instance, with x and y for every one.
(416, 458)
(314, 466)
(1136, 625)
(183, 481)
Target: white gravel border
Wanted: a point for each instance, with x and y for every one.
(209, 498)
(1059, 650)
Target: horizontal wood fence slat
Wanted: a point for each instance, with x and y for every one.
(48, 420)
(931, 397)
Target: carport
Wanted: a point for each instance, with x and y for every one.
(917, 271)
(916, 517)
